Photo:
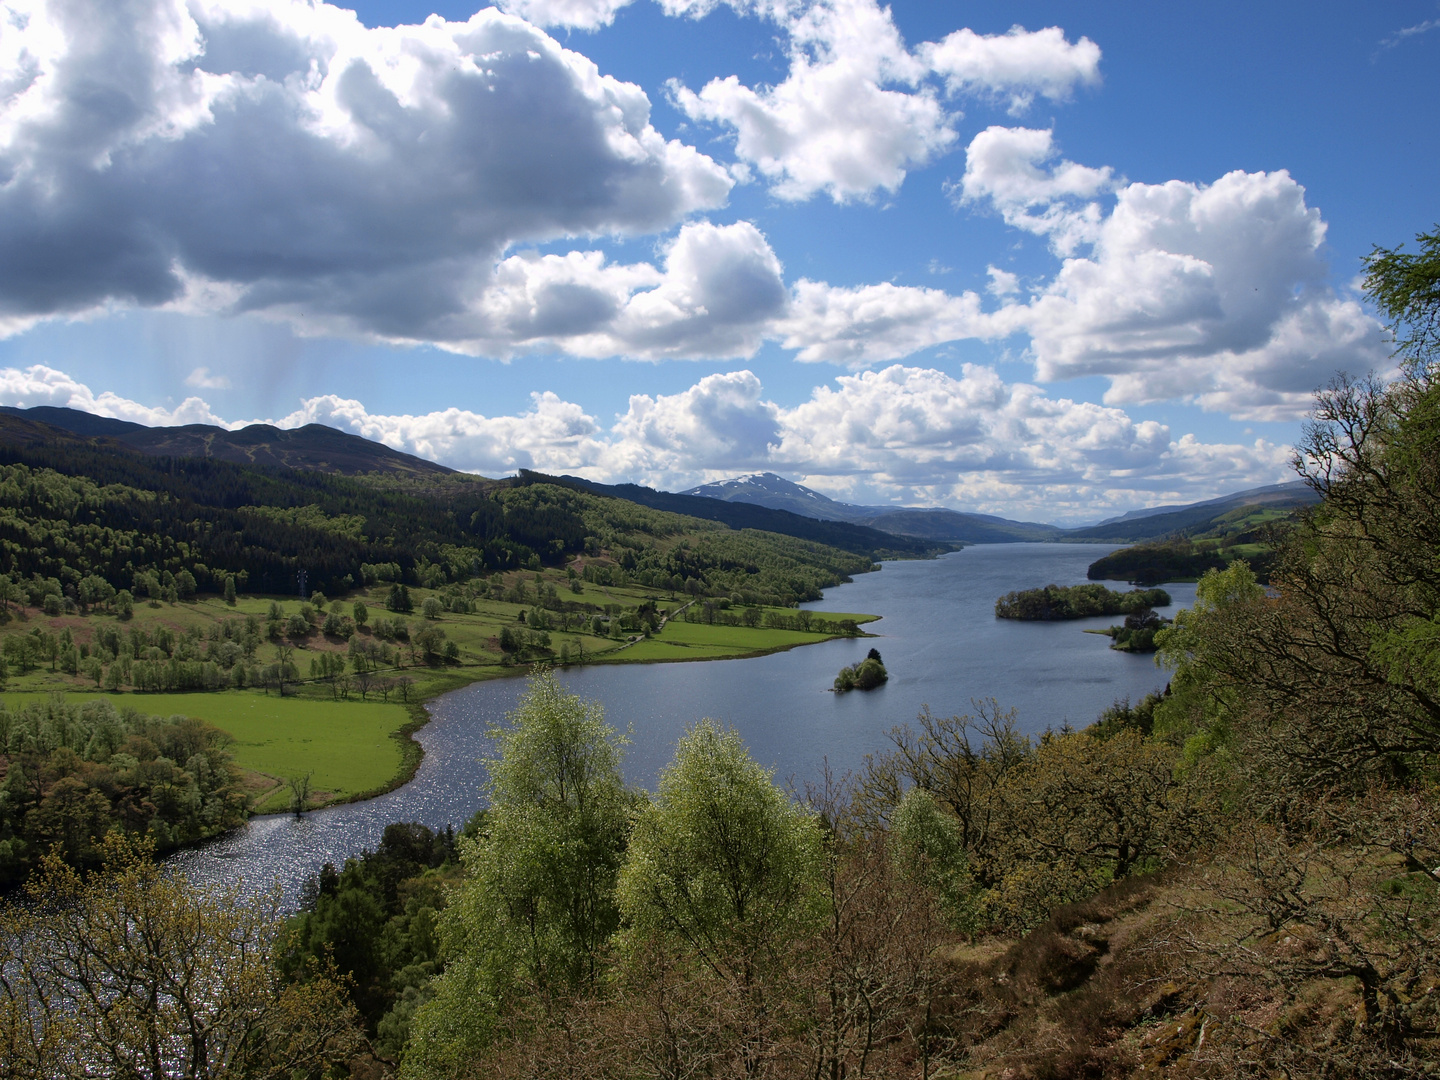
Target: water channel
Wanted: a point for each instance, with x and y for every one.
(940, 641)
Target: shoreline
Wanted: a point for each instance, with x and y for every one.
(413, 753)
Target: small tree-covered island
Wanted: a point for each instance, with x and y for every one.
(1137, 633)
(1054, 603)
(866, 675)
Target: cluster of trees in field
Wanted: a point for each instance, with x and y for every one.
(69, 773)
(228, 653)
(722, 612)
(1271, 825)
(1055, 602)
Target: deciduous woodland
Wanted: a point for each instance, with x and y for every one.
(1240, 878)
(75, 514)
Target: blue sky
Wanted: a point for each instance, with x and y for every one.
(1044, 260)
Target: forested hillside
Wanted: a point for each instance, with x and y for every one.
(1249, 532)
(313, 447)
(75, 510)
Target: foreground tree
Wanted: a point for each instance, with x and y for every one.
(533, 919)
(722, 863)
(131, 972)
(1334, 681)
(721, 883)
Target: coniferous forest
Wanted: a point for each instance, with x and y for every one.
(1237, 878)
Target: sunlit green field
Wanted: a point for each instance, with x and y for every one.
(347, 747)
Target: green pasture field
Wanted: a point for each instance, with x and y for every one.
(349, 748)
(352, 747)
(680, 640)
(1245, 551)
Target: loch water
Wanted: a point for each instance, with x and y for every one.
(940, 641)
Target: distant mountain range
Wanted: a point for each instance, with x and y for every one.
(768, 489)
(936, 524)
(759, 501)
(739, 515)
(314, 446)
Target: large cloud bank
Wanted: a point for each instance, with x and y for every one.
(902, 434)
(1212, 292)
(275, 157)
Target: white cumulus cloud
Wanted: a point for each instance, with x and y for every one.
(716, 292)
(552, 435)
(857, 109)
(871, 324)
(1018, 65)
(280, 156)
(201, 379)
(1009, 168)
(26, 388)
(922, 436)
(579, 14)
(1216, 293)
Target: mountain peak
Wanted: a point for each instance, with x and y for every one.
(774, 491)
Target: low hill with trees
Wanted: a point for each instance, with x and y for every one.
(313, 447)
(1250, 532)
(71, 508)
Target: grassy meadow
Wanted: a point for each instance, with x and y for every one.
(350, 736)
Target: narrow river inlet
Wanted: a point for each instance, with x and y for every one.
(940, 641)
